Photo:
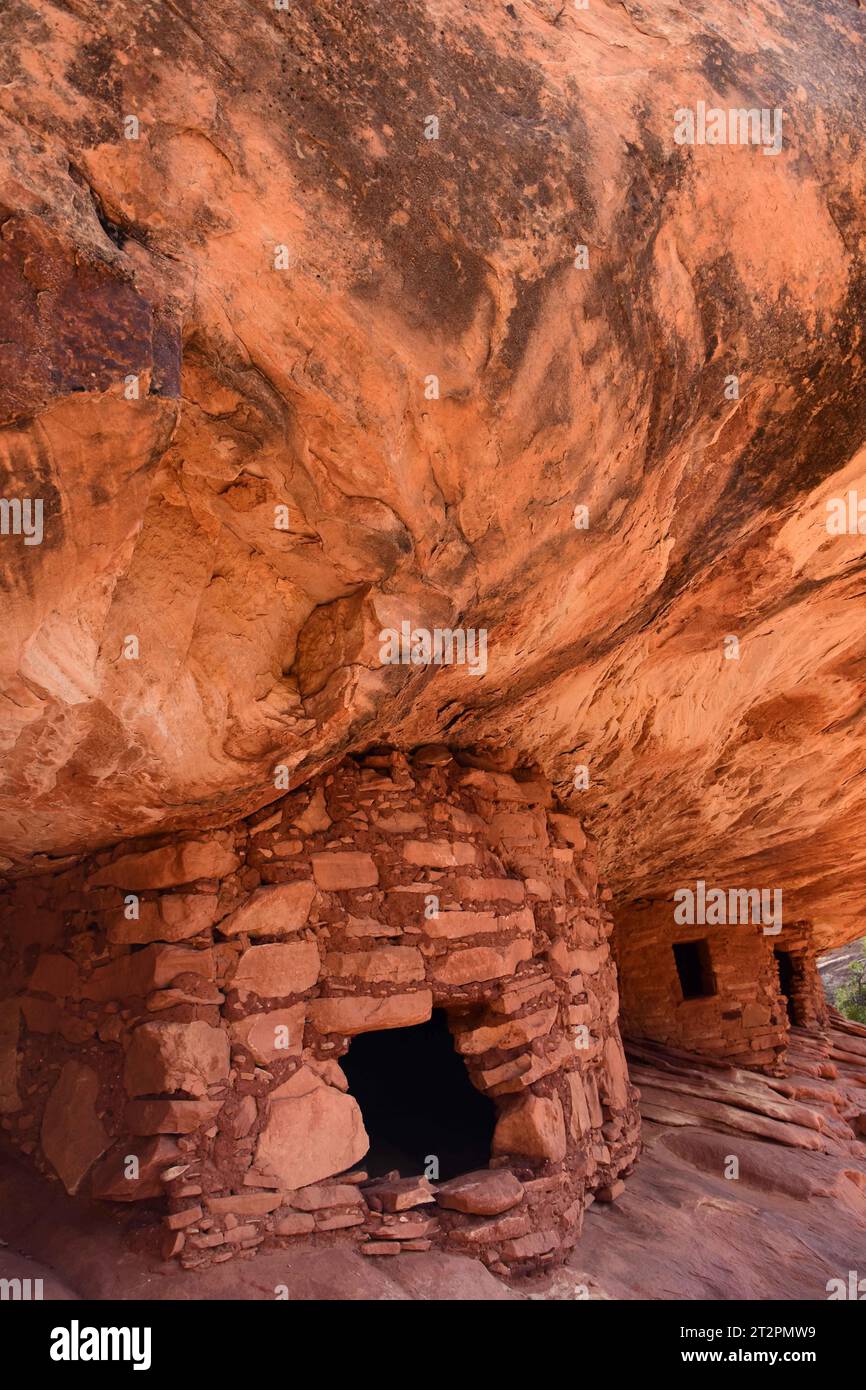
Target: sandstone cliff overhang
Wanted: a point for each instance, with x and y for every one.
(238, 276)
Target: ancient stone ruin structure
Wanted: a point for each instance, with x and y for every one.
(382, 1010)
(185, 1004)
(730, 991)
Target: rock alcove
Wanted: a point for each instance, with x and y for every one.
(428, 929)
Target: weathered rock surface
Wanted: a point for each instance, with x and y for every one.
(271, 1036)
(276, 911)
(175, 1057)
(167, 389)
(362, 1014)
(173, 917)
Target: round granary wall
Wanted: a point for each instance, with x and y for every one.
(175, 1010)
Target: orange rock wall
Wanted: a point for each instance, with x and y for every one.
(188, 1001)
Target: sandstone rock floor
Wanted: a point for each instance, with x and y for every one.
(793, 1218)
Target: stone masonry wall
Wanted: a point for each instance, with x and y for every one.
(175, 1011)
(745, 1021)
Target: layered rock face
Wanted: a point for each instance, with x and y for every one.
(184, 1007)
(319, 321)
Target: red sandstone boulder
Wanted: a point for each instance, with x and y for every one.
(170, 1116)
(400, 822)
(406, 1227)
(580, 1123)
(273, 971)
(529, 1246)
(321, 1195)
(486, 1192)
(481, 963)
(515, 1033)
(140, 972)
(245, 1203)
(492, 890)
(439, 854)
(294, 1223)
(300, 1083)
(315, 816)
(172, 917)
(396, 965)
(399, 1194)
(312, 1137)
(497, 1229)
(615, 1073)
(458, 924)
(341, 870)
(533, 1128)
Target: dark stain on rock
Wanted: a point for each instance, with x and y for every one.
(436, 206)
(167, 352)
(522, 320)
(67, 324)
(94, 71)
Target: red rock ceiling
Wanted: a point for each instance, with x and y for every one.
(305, 388)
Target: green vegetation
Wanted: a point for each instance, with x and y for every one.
(851, 996)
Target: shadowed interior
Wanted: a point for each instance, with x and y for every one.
(417, 1101)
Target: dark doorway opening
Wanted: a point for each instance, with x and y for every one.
(785, 967)
(416, 1099)
(695, 969)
